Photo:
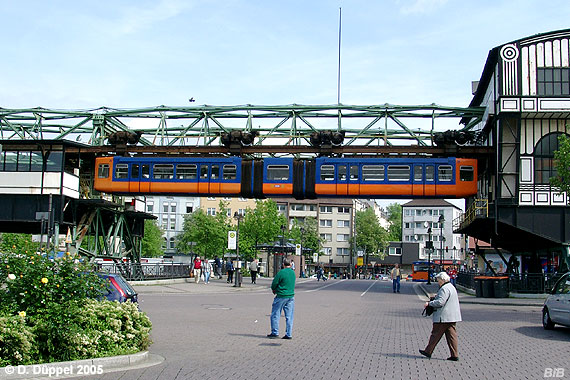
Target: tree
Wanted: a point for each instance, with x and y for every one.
(10, 242)
(260, 225)
(370, 236)
(307, 234)
(152, 240)
(204, 234)
(562, 165)
(394, 211)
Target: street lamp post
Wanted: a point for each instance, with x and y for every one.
(238, 217)
(441, 238)
(429, 246)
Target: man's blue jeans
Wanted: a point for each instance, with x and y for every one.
(287, 305)
(396, 284)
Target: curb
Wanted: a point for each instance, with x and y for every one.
(81, 368)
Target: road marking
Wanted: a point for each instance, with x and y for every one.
(369, 288)
(326, 286)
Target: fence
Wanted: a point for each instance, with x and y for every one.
(517, 283)
(136, 271)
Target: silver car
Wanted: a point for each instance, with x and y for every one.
(556, 309)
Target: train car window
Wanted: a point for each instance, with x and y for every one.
(373, 172)
(430, 173)
(466, 173)
(23, 161)
(37, 162)
(163, 171)
(398, 173)
(204, 171)
(121, 171)
(418, 173)
(103, 171)
(215, 172)
(230, 172)
(145, 171)
(444, 172)
(135, 171)
(185, 171)
(354, 172)
(278, 172)
(341, 173)
(327, 173)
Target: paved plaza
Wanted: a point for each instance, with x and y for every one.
(344, 329)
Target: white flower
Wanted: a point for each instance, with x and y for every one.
(11, 276)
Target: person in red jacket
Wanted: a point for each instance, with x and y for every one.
(197, 269)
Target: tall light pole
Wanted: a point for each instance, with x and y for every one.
(429, 246)
(238, 217)
(441, 221)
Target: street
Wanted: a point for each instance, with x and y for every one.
(343, 329)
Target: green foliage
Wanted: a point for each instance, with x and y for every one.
(17, 243)
(307, 234)
(562, 165)
(203, 234)
(394, 211)
(260, 226)
(17, 342)
(370, 236)
(152, 240)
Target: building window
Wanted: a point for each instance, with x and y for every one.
(211, 211)
(229, 212)
(325, 222)
(172, 243)
(553, 81)
(343, 223)
(282, 208)
(173, 223)
(327, 251)
(150, 207)
(326, 237)
(544, 168)
(211, 198)
(297, 207)
(406, 225)
(165, 207)
(343, 251)
(342, 237)
(395, 251)
(326, 209)
(173, 208)
(343, 210)
(189, 208)
(164, 223)
(408, 212)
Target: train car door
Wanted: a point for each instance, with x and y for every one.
(215, 179)
(134, 179)
(204, 179)
(418, 184)
(354, 180)
(341, 180)
(144, 184)
(429, 180)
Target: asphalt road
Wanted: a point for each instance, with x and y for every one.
(344, 329)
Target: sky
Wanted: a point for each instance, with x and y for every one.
(132, 54)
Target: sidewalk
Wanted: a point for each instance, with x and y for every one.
(468, 296)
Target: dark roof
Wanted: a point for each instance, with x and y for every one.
(429, 203)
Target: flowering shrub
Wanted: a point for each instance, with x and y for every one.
(50, 311)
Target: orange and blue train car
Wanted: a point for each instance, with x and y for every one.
(287, 177)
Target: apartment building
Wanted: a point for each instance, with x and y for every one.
(211, 205)
(421, 214)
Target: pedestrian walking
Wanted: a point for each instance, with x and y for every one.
(207, 270)
(283, 286)
(319, 274)
(253, 269)
(445, 317)
(218, 264)
(395, 274)
(197, 269)
(230, 270)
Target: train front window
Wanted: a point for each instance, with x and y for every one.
(373, 172)
(430, 173)
(184, 171)
(135, 171)
(278, 172)
(230, 172)
(466, 173)
(398, 173)
(163, 171)
(121, 171)
(103, 171)
(327, 173)
(444, 173)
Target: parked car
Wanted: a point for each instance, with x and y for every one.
(556, 308)
(118, 288)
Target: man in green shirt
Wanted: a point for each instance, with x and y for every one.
(283, 286)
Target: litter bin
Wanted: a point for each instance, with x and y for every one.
(478, 286)
(501, 287)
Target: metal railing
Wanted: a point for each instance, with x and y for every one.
(517, 283)
(137, 272)
(478, 209)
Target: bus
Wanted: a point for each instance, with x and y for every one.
(420, 270)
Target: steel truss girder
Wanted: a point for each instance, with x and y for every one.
(285, 125)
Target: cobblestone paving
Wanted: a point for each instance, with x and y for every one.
(342, 331)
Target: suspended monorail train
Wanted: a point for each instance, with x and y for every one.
(447, 177)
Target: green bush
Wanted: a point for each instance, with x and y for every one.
(50, 312)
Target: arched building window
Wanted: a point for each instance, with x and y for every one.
(544, 158)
